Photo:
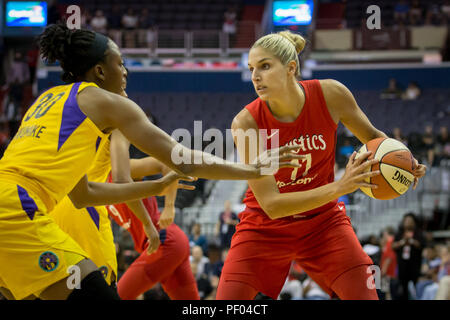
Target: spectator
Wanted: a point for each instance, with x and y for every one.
(203, 283)
(434, 15)
(412, 92)
(388, 263)
(345, 151)
(293, 287)
(99, 23)
(445, 9)
(196, 238)
(397, 134)
(4, 138)
(408, 245)
(312, 291)
(130, 20)
(201, 269)
(32, 60)
(216, 268)
(439, 269)
(229, 23)
(145, 21)
(372, 249)
(416, 13)
(401, 12)
(216, 271)
(203, 265)
(444, 255)
(115, 17)
(443, 292)
(86, 19)
(442, 146)
(430, 263)
(391, 92)
(17, 79)
(53, 14)
(155, 293)
(226, 226)
(428, 143)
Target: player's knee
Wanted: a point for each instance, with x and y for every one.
(94, 287)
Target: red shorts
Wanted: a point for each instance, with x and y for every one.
(325, 246)
(169, 265)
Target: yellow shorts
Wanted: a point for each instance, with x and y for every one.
(34, 251)
(91, 229)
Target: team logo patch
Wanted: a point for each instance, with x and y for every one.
(48, 261)
(104, 271)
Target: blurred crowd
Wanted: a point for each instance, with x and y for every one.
(417, 13)
(430, 147)
(413, 265)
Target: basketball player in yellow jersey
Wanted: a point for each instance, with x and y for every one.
(91, 227)
(54, 147)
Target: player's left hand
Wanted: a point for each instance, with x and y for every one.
(418, 172)
(166, 217)
(153, 238)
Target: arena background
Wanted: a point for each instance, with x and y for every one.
(188, 63)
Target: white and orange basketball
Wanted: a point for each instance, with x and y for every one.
(396, 164)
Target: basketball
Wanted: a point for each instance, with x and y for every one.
(396, 164)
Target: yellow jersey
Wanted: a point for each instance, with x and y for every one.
(91, 227)
(55, 145)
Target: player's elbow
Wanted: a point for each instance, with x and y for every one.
(78, 202)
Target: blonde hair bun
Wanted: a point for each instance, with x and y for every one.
(297, 40)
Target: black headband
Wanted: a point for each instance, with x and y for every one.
(96, 52)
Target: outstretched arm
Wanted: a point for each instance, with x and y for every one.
(109, 111)
(87, 193)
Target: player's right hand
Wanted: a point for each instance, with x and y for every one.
(173, 178)
(356, 173)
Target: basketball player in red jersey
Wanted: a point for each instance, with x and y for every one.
(294, 214)
(169, 264)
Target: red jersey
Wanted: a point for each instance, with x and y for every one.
(389, 253)
(125, 218)
(314, 131)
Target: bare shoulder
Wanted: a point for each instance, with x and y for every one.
(338, 98)
(332, 88)
(244, 120)
(104, 108)
(94, 96)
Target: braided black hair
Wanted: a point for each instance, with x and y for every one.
(70, 47)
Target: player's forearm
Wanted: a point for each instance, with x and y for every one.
(212, 167)
(98, 194)
(143, 167)
(170, 197)
(292, 203)
(139, 211)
